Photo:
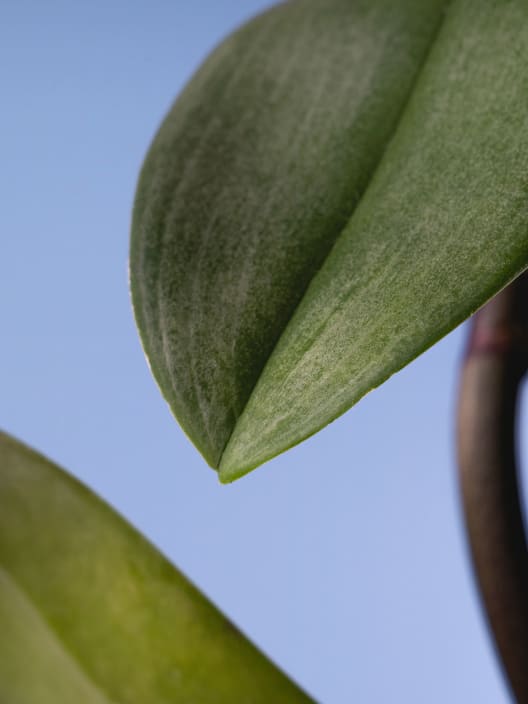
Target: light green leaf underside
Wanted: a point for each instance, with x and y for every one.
(91, 613)
(441, 228)
(431, 192)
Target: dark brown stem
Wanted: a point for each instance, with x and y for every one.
(497, 358)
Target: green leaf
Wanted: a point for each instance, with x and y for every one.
(91, 613)
(339, 186)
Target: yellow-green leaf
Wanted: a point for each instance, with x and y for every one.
(90, 613)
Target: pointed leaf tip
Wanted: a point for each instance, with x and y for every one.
(338, 187)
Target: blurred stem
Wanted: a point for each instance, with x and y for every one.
(496, 361)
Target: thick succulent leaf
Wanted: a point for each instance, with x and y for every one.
(311, 249)
(249, 181)
(91, 613)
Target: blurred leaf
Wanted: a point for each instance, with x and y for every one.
(339, 186)
(90, 613)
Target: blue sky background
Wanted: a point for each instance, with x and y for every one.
(345, 558)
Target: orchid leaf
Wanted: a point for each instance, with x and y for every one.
(91, 613)
(339, 186)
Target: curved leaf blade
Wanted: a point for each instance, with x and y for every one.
(442, 227)
(251, 178)
(91, 613)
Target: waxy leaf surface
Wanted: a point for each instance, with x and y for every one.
(90, 613)
(339, 185)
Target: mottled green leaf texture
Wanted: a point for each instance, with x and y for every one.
(90, 613)
(340, 184)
